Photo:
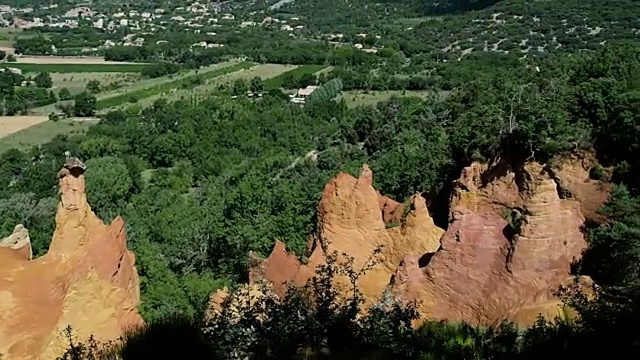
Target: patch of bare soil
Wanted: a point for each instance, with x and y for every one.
(12, 124)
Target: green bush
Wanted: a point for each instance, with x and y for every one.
(598, 172)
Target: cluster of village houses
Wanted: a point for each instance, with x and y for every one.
(196, 17)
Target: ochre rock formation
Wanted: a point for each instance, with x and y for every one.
(572, 175)
(503, 184)
(87, 281)
(515, 229)
(283, 269)
(487, 271)
(351, 222)
(19, 241)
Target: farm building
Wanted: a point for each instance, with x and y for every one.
(302, 94)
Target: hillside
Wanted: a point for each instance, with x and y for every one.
(518, 26)
(503, 137)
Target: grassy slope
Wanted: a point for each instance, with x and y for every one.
(276, 82)
(42, 133)
(145, 92)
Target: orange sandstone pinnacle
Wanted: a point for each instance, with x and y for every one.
(87, 280)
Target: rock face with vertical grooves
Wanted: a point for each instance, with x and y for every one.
(351, 222)
(514, 230)
(87, 280)
(489, 270)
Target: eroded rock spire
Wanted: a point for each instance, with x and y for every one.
(87, 280)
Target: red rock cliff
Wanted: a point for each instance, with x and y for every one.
(482, 269)
(351, 218)
(87, 280)
(488, 270)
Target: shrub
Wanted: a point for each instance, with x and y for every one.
(598, 172)
(171, 337)
(89, 350)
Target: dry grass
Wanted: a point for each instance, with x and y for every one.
(65, 60)
(12, 124)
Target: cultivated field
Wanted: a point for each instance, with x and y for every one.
(41, 132)
(66, 64)
(175, 87)
(7, 48)
(77, 82)
(74, 68)
(165, 79)
(12, 124)
(132, 87)
(264, 71)
(277, 81)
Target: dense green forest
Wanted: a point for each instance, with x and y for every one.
(19, 94)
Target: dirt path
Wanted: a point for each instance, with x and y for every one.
(311, 155)
(9, 50)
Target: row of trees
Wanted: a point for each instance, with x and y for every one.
(19, 93)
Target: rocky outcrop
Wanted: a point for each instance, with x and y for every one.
(507, 184)
(515, 229)
(573, 176)
(352, 223)
(282, 269)
(19, 241)
(87, 280)
(490, 269)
